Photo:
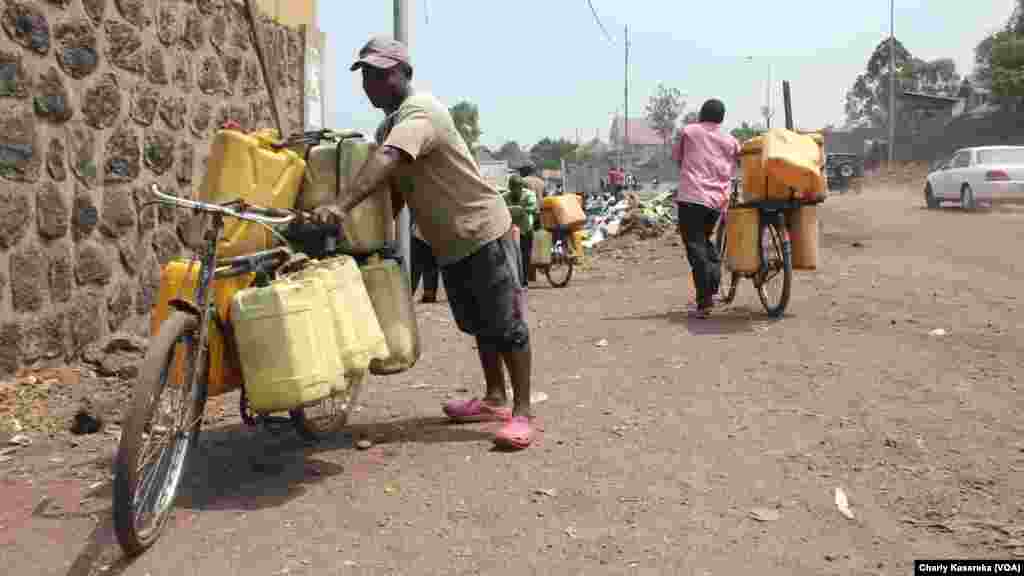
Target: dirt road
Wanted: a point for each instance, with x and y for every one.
(681, 447)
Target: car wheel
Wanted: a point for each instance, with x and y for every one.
(846, 171)
(967, 201)
(929, 197)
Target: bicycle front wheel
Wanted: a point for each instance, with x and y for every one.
(159, 433)
(775, 279)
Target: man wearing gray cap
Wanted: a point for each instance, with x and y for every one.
(467, 225)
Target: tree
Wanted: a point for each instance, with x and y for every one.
(513, 154)
(508, 151)
(663, 111)
(467, 122)
(746, 132)
(867, 101)
(548, 153)
(1000, 60)
(1008, 64)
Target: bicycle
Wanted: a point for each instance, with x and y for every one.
(560, 270)
(143, 498)
(774, 246)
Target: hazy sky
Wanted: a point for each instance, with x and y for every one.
(541, 68)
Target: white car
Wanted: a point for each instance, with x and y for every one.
(988, 174)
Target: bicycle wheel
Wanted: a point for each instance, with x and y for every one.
(147, 478)
(775, 279)
(721, 242)
(559, 272)
(325, 418)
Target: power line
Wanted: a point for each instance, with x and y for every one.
(598, 20)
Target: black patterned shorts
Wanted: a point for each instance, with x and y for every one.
(486, 295)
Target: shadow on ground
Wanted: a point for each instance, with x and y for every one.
(723, 322)
(239, 468)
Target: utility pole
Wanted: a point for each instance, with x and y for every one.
(892, 81)
(402, 19)
(625, 143)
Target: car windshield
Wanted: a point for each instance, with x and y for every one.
(1003, 156)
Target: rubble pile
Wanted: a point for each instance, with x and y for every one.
(649, 218)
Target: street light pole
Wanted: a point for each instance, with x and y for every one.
(769, 98)
(892, 81)
(404, 249)
(625, 143)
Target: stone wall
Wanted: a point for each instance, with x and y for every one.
(99, 99)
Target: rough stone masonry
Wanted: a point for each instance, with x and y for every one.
(99, 99)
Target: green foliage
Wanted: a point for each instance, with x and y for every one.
(548, 153)
(867, 101)
(663, 110)
(467, 121)
(746, 132)
(509, 151)
(998, 57)
(1007, 64)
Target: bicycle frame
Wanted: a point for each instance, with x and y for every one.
(772, 211)
(209, 268)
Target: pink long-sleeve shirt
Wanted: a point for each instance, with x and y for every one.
(708, 163)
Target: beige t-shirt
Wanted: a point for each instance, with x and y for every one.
(455, 210)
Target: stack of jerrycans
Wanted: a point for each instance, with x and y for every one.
(306, 336)
(369, 230)
(242, 166)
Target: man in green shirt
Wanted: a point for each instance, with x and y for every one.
(522, 203)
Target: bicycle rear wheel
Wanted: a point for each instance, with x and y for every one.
(775, 279)
(559, 271)
(325, 418)
(147, 478)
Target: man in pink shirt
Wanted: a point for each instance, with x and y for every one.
(707, 161)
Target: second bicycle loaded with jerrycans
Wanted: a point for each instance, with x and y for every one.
(293, 312)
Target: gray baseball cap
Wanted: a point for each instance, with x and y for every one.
(382, 52)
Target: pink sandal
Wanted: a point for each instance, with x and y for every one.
(475, 410)
(516, 434)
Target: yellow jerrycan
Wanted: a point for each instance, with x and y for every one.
(331, 171)
(392, 302)
(247, 167)
(357, 332)
(286, 344)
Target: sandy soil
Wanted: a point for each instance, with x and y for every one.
(668, 445)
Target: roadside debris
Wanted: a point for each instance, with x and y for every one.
(85, 423)
(765, 514)
(21, 441)
(843, 504)
(938, 332)
(632, 215)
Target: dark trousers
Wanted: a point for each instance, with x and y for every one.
(526, 247)
(696, 227)
(423, 265)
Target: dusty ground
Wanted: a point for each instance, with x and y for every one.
(679, 447)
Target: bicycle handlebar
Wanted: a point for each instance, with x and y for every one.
(261, 215)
